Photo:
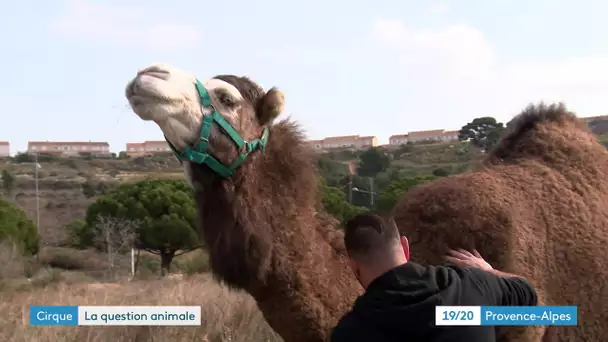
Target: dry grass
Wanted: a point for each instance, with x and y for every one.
(226, 315)
(12, 264)
(73, 259)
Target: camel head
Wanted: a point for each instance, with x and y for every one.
(215, 123)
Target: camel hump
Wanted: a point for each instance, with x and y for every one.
(528, 133)
(462, 211)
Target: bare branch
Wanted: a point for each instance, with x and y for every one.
(153, 251)
(115, 235)
(188, 250)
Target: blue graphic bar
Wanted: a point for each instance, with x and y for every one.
(529, 315)
(115, 315)
(53, 315)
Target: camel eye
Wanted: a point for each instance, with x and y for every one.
(226, 99)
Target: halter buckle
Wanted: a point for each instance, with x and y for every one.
(245, 148)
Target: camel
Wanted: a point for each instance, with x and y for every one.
(256, 187)
(261, 221)
(537, 206)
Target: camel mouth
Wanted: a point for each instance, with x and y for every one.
(147, 96)
(146, 88)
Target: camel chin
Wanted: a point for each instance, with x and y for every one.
(167, 96)
(160, 92)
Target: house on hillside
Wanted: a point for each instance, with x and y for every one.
(349, 142)
(148, 148)
(70, 148)
(438, 135)
(5, 149)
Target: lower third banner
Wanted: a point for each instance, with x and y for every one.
(115, 315)
(506, 315)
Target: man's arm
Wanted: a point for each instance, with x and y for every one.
(501, 274)
(508, 289)
(505, 288)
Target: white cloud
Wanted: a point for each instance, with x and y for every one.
(439, 8)
(456, 51)
(458, 64)
(122, 25)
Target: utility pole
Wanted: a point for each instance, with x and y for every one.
(371, 190)
(350, 189)
(37, 166)
(132, 263)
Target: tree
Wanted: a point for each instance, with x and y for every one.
(482, 132)
(16, 227)
(336, 205)
(372, 162)
(331, 170)
(88, 190)
(115, 236)
(396, 189)
(8, 183)
(30, 158)
(80, 236)
(22, 158)
(165, 212)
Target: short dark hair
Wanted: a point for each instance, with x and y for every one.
(369, 233)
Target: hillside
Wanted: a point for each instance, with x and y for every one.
(416, 159)
(68, 186)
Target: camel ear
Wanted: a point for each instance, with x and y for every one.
(270, 106)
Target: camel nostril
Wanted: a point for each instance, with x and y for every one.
(158, 74)
(154, 71)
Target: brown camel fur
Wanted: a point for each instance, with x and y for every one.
(267, 235)
(262, 226)
(537, 206)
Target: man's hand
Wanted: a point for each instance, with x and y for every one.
(512, 289)
(464, 258)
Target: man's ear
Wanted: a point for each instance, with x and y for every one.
(270, 106)
(406, 247)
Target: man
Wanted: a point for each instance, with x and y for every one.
(400, 296)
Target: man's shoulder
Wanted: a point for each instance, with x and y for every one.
(469, 273)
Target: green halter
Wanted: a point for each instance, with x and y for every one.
(198, 154)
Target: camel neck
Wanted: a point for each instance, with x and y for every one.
(268, 205)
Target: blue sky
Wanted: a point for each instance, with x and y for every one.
(346, 67)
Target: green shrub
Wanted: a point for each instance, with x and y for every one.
(17, 228)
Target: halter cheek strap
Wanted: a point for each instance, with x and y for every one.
(198, 153)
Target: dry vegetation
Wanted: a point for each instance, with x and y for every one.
(227, 315)
(68, 185)
(65, 276)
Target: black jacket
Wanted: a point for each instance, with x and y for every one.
(400, 304)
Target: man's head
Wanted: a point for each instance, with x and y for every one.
(374, 246)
